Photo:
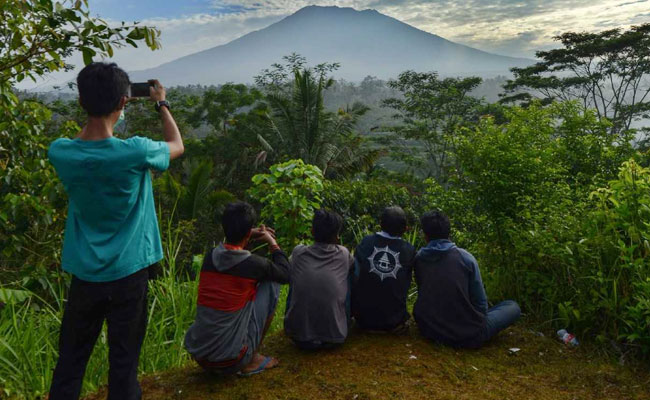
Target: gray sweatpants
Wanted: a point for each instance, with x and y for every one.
(264, 306)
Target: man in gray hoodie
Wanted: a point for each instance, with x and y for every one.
(452, 306)
(317, 315)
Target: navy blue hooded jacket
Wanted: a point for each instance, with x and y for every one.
(452, 303)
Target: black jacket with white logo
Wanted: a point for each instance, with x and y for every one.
(383, 271)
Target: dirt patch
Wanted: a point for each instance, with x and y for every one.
(408, 367)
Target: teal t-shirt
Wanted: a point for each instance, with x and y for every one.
(112, 229)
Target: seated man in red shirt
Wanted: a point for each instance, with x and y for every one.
(238, 293)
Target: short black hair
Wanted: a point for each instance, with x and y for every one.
(326, 226)
(237, 220)
(101, 86)
(435, 225)
(393, 221)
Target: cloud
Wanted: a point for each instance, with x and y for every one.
(508, 27)
(501, 26)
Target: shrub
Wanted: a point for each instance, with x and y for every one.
(615, 261)
(290, 194)
(522, 193)
(360, 203)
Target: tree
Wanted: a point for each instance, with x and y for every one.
(141, 120)
(303, 128)
(37, 36)
(431, 111)
(606, 71)
(220, 108)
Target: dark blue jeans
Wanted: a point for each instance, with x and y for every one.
(499, 318)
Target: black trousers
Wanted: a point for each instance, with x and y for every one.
(123, 304)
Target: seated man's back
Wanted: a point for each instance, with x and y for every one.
(228, 286)
(316, 308)
(238, 293)
(444, 310)
(383, 269)
(452, 306)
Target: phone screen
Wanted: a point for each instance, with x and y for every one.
(140, 89)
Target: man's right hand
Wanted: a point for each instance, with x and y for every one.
(264, 234)
(170, 130)
(156, 90)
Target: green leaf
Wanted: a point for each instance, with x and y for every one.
(16, 40)
(88, 54)
(13, 296)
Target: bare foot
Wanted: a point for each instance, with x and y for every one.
(257, 361)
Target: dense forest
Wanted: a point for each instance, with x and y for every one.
(547, 183)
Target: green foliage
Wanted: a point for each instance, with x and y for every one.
(220, 108)
(618, 294)
(538, 151)
(229, 120)
(431, 111)
(37, 36)
(361, 203)
(522, 195)
(141, 119)
(30, 195)
(302, 127)
(500, 163)
(29, 332)
(290, 194)
(193, 201)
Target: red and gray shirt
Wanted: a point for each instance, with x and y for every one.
(227, 289)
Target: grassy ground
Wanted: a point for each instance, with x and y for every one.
(408, 367)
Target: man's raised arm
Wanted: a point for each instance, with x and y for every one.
(170, 131)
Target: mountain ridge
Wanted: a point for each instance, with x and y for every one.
(364, 43)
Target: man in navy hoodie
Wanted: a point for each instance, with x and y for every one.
(452, 306)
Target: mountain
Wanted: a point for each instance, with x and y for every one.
(364, 42)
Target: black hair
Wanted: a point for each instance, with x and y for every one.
(101, 86)
(435, 225)
(326, 226)
(393, 221)
(237, 220)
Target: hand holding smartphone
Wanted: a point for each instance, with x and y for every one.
(152, 89)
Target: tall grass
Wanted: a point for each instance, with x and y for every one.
(29, 339)
(29, 331)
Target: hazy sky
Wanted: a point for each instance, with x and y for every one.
(508, 27)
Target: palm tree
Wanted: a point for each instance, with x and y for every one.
(306, 130)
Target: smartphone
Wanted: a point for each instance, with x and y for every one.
(140, 89)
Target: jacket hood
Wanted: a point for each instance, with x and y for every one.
(224, 259)
(437, 247)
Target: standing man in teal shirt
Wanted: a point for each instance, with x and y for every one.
(111, 234)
